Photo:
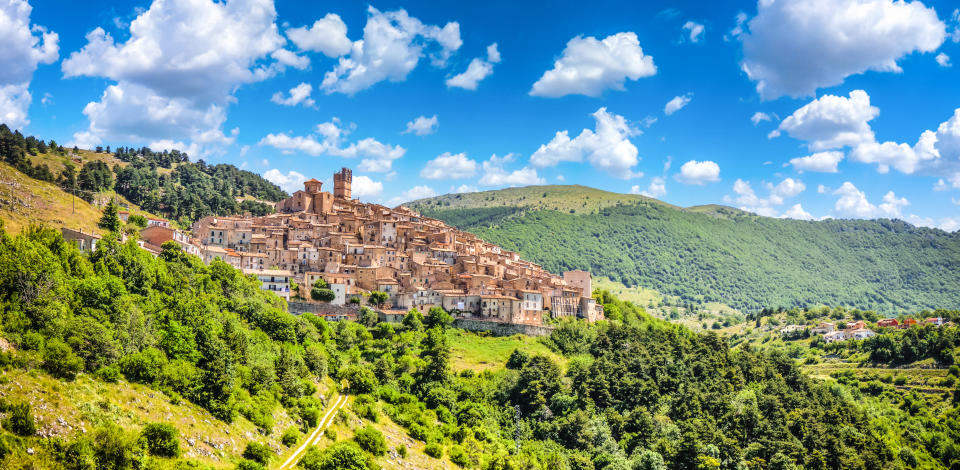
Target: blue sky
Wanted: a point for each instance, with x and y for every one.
(798, 108)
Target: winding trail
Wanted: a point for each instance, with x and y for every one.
(314, 436)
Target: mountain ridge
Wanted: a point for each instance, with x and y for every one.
(715, 253)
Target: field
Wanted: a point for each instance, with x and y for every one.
(479, 353)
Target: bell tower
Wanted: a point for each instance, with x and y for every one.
(341, 183)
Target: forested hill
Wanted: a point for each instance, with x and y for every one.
(160, 182)
(715, 253)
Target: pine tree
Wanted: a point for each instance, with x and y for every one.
(110, 220)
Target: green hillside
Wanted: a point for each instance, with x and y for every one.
(715, 253)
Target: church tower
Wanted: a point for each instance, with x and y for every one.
(341, 183)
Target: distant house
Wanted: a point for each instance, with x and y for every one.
(153, 221)
(835, 336)
(888, 323)
(861, 333)
(935, 321)
(157, 235)
(856, 325)
(907, 323)
(273, 280)
(84, 241)
(823, 328)
(791, 329)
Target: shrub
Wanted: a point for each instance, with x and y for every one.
(79, 455)
(459, 456)
(258, 453)
(20, 420)
(331, 434)
(310, 416)
(518, 359)
(402, 450)
(290, 437)
(370, 440)
(60, 361)
(340, 456)
(359, 379)
(246, 464)
(31, 341)
(434, 450)
(162, 439)
(144, 366)
(114, 448)
(138, 220)
(418, 432)
(108, 374)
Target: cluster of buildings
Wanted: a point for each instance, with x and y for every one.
(358, 248)
(853, 330)
(857, 329)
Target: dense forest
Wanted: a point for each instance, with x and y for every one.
(631, 393)
(165, 183)
(729, 256)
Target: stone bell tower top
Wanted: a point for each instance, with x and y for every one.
(341, 183)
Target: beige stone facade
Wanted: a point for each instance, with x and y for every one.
(420, 262)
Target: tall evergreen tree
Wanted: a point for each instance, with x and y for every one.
(110, 220)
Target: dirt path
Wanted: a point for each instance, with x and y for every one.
(314, 436)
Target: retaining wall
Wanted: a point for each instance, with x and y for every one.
(500, 328)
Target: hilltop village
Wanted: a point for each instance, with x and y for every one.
(358, 248)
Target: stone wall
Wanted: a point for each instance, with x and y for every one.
(500, 328)
(470, 324)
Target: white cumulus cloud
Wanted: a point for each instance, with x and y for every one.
(299, 94)
(748, 199)
(422, 125)
(178, 69)
(393, 44)
(412, 194)
(759, 117)
(657, 188)
(495, 175)
(943, 60)
(853, 202)
(328, 35)
(824, 162)
(22, 48)
(588, 66)
(796, 212)
(677, 103)
(794, 47)
(290, 182)
(363, 186)
(328, 139)
(476, 71)
(698, 173)
(832, 121)
(449, 166)
(694, 31)
(607, 147)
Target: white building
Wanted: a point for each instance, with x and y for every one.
(835, 336)
(861, 333)
(273, 280)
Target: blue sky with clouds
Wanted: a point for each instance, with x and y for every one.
(796, 108)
